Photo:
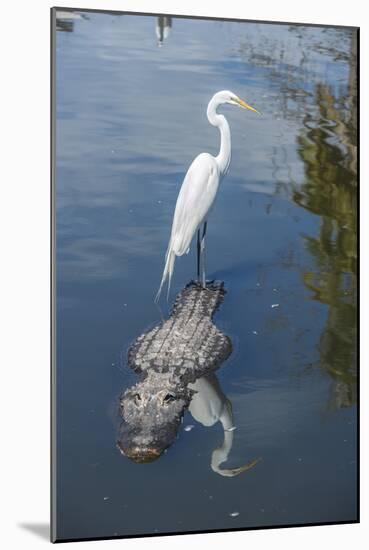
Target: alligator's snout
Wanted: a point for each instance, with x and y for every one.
(150, 415)
(141, 455)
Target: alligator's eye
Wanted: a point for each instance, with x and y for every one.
(169, 398)
(137, 398)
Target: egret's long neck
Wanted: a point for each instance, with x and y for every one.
(224, 157)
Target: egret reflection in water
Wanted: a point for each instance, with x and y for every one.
(65, 20)
(163, 28)
(208, 406)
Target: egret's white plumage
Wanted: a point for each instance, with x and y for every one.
(194, 201)
(199, 188)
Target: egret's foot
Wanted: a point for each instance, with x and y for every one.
(204, 282)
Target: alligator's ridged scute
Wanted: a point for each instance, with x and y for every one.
(187, 344)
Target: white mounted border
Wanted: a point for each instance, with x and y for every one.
(25, 222)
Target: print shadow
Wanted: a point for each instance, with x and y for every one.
(42, 530)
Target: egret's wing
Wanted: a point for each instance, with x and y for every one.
(194, 201)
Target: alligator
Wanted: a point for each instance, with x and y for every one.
(168, 359)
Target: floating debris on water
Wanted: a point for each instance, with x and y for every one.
(232, 429)
(274, 305)
(234, 514)
(189, 427)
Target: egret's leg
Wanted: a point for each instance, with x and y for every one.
(203, 255)
(198, 255)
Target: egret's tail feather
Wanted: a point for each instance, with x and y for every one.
(167, 273)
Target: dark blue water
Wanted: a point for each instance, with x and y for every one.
(131, 116)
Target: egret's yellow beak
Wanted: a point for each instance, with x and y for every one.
(244, 105)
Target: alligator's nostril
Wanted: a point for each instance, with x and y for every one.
(137, 398)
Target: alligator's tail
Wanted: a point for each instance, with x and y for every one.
(168, 271)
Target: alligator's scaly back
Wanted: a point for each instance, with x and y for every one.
(187, 343)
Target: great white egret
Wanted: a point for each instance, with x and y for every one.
(198, 191)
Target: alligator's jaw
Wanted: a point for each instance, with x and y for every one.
(141, 455)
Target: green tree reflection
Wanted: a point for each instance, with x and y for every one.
(328, 149)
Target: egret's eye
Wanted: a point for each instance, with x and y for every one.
(137, 398)
(169, 398)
